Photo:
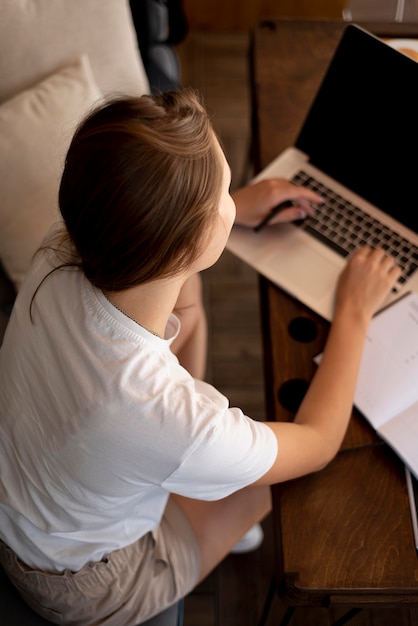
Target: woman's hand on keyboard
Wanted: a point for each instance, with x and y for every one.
(255, 202)
(366, 281)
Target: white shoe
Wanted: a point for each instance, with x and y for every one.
(250, 541)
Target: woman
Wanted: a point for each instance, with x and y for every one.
(125, 479)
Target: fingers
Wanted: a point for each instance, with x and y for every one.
(299, 211)
(303, 196)
(308, 205)
(257, 202)
(367, 280)
(377, 268)
(378, 258)
(291, 214)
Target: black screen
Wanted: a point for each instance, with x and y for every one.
(362, 128)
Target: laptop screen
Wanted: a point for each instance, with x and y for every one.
(362, 128)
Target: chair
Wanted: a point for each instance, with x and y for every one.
(159, 25)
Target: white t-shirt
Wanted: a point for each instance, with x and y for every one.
(100, 423)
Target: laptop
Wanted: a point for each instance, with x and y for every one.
(358, 147)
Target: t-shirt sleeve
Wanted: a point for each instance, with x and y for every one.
(232, 453)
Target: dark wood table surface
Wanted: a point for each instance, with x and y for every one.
(344, 535)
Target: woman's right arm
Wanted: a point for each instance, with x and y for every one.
(309, 442)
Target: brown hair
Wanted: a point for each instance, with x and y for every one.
(140, 188)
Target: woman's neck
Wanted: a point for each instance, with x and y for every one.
(150, 304)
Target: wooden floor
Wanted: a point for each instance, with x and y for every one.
(233, 595)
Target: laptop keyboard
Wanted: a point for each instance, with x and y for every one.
(344, 227)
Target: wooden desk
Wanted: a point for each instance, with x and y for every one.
(344, 535)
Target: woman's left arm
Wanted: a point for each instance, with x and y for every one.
(256, 200)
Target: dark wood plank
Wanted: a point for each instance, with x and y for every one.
(215, 15)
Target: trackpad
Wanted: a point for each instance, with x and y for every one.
(312, 273)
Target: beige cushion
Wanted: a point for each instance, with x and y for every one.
(36, 127)
(39, 36)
